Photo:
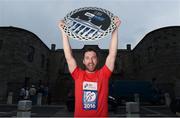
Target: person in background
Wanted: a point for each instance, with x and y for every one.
(32, 93)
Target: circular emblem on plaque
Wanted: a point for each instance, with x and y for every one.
(89, 23)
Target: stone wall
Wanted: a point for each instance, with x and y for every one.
(23, 60)
(157, 56)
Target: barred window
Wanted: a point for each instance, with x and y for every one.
(47, 64)
(42, 61)
(30, 55)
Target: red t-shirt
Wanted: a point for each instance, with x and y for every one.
(101, 77)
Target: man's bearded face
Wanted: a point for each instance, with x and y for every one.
(90, 61)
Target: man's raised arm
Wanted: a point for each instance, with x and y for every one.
(110, 60)
(67, 49)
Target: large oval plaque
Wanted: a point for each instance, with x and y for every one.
(89, 23)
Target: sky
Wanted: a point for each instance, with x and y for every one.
(138, 17)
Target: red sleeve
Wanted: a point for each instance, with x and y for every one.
(75, 73)
(106, 72)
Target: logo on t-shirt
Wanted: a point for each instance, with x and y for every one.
(89, 95)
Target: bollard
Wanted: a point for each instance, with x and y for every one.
(39, 99)
(136, 97)
(167, 99)
(10, 98)
(24, 108)
(132, 109)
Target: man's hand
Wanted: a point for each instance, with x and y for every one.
(67, 48)
(61, 25)
(110, 60)
(117, 22)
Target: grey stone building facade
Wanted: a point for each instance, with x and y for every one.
(26, 60)
(157, 57)
(23, 60)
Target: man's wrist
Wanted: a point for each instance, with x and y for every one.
(64, 34)
(116, 29)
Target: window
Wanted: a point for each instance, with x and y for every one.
(137, 61)
(156, 50)
(27, 81)
(47, 64)
(1, 43)
(30, 55)
(42, 60)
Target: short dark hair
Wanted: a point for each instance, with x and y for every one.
(89, 50)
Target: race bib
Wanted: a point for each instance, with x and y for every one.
(90, 95)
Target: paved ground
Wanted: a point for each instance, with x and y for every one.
(61, 111)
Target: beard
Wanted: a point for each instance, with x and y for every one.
(90, 67)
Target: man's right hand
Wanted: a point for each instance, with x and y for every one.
(67, 48)
(61, 25)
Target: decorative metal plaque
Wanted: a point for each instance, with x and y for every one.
(89, 23)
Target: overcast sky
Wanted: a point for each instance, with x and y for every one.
(138, 17)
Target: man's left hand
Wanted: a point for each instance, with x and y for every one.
(117, 21)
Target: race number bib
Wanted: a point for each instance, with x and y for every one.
(90, 96)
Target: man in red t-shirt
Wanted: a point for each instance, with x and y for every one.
(91, 85)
